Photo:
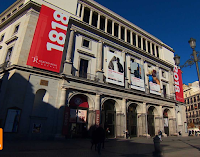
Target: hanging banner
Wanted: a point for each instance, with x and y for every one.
(154, 82)
(115, 72)
(165, 122)
(137, 76)
(49, 39)
(82, 116)
(97, 119)
(178, 84)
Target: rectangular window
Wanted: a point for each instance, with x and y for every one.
(116, 30)
(144, 44)
(134, 39)
(12, 120)
(8, 56)
(128, 36)
(102, 23)
(153, 50)
(2, 37)
(149, 47)
(86, 16)
(164, 91)
(157, 52)
(139, 41)
(3, 19)
(94, 19)
(16, 29)
(86, 43)
(122, 33)
(8, 15)
(188, 101)
(164, 74)
(83, 68)
(194, 99)
(109, 27)
(80, 10)
(197, 97)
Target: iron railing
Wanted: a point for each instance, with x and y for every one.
(87, 76)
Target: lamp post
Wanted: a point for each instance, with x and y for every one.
(195, 59)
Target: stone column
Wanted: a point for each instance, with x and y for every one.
(68, 62)
(78, 9)
(99, 62)
(136, 40)
(147, 46)
(141, 43)
(131, 37)
(90, 20)
(113, 27)
(151, 48)
(125, 34)
(119, 33)
(61, 109)
(98, 23)
(106, 24)
(124, 111)
(82, 12)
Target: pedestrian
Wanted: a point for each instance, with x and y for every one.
(160, 134)
(127, 134)
(94, 138)
(107, 132)
(99, 137)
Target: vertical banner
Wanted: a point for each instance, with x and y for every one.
(137, 76)
(66, 121)
(1, 138)
(97, 119)
(82, 116)
(178, 84)
(115, 72)
(154, 82)
(49, 39)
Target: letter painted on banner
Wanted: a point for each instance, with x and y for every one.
(1, 138)
(178, 84)
(49, 40)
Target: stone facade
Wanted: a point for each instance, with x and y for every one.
(36, 103)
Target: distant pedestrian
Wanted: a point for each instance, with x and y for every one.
(160, 134)
(100, 133)
(107, 133)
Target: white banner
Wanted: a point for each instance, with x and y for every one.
(115, 72)
(154, 82)
(165, 122)
(82, 116)
(137, 76)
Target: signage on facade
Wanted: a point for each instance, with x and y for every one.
(82, 116)
(137, 76)
(154, 82)
(115, 69)
(178, 84)
(97, 119)
(49, 39)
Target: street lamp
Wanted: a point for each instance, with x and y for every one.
(177, 60)
(194, 58)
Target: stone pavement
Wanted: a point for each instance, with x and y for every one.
(137, 147)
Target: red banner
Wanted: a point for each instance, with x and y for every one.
(97, 119)
(178, 84)
(49, 39)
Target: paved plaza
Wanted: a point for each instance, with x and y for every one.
(137, 147)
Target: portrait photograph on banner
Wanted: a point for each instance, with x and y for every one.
(137, 76)
(82, 116)
(154, 81)
(115, 66)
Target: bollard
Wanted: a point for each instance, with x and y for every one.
(156, 141)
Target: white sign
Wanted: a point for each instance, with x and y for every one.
(115, 72)
(82, 116)
(165, 122)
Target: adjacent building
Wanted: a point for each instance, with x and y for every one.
(69, 65)
(192, 101)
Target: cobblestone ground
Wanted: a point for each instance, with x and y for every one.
(137, 147)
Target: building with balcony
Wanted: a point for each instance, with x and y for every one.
(192, 101)
(104, 70)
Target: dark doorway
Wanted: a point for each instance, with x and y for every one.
(132, 120)
(109, 116)
(150, 120)
(83, 68)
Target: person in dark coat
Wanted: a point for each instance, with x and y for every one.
(94, 138)
(100, 136)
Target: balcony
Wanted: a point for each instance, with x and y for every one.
(87, 76)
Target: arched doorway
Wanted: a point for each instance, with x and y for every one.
(109, 116)
(132, 120)
(78, 119)
(150, 121)
(166, 121)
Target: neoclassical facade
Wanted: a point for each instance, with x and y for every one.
(111, 73)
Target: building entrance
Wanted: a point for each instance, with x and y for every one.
(150, 120)
(132, 120)
(166, 122)
(109, 117)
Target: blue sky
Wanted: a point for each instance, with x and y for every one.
(172, 21)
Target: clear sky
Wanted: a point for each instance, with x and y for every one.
(174, 22)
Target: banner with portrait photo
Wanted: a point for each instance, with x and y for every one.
(137, 76)
(154, 82)
(115, 66)
(82, 116)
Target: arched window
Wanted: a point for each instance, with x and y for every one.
(40, 103)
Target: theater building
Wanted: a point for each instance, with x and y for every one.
(68, 65)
